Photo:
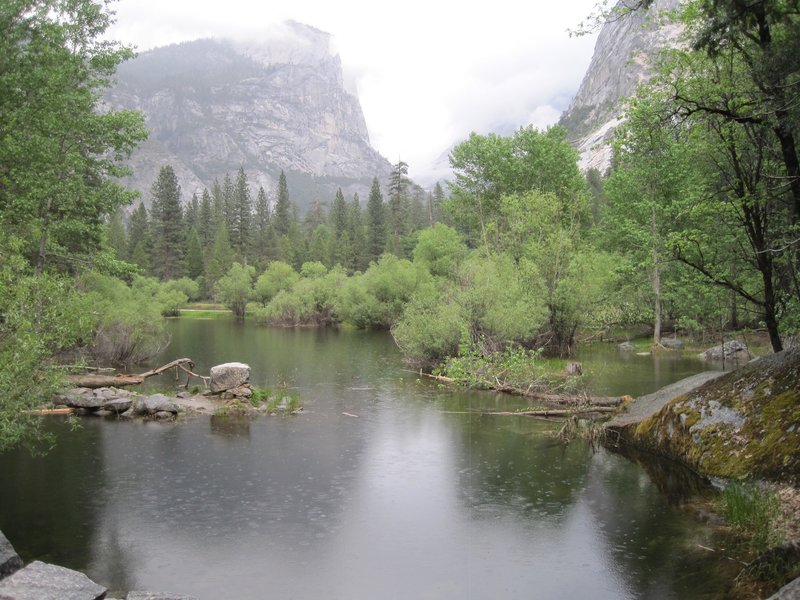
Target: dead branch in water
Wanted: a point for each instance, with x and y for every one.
(124, 379)
(563, 399)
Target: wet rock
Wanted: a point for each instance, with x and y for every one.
(42, 581)
(118, 405)
(163, 415)
(625, 347)
(732, 350)
(228, 376)
(672, 343)
(242, 391)
(10, 561)
(183, 394)
(156, 596)
(150, 405)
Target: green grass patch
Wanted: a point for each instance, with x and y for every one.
(192, 313)
(754, 511)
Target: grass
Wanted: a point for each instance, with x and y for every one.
(196, 313)
(754, 511)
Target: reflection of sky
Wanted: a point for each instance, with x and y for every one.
(406, 500)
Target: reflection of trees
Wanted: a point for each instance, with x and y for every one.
(508, 460)
(642, 512)
(234, 426)
(48, 502)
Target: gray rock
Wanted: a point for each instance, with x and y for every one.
(625, 347)
(184, 394)
(732, 350)
(86, 401)
(150, 405)
(228, 376)
(163, 415)
(672, 343)
(791, 591)
(157, 596)
(9, 559)
(41, 581)
(118, 405)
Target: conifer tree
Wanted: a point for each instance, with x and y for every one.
(117, 238)
(193, 259)
(205, 222)
(261, 228)
(241, 216)
(283, 208)
(168, 233)
(398, 199)
(139, 243)
(376, 222)
(355, 229)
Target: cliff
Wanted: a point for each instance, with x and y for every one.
(623, 58)
(213, 106)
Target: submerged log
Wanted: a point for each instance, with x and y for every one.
(125, 379)
(563, 399)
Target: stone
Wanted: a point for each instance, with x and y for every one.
(150, 405)
(574, 368)
(42, 581)
(184, 394)
(87, 401)
(791, 591)
(157, 596)
(672, 343)
(625, 347)
(732, 350)
(228, 376)
(10, 561)
(163, 415)
(118, 405)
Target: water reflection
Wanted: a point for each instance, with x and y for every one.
(410, 494)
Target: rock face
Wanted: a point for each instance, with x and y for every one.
(745, 423)
(9, 559)
(229, 376)
(213, 106)
(623, 58)
(41, 581)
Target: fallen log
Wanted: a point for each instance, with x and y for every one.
(50, 411)
(563, 399)
(126, 379)
(554, 412)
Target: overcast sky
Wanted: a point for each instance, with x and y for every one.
(427, 72)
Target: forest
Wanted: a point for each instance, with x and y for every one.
(695, 228)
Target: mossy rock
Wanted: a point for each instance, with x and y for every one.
(745, 424)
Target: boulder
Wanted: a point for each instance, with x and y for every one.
(732, 350)
(625, 347)
(228, 376)
(10, 561)
(242, 391)
(42, 581)
(672, 343)
(791, 591)
(118, 405)
(150, 405)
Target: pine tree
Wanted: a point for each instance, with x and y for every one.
(139, 242)
(398, 199)
(205, 223)
(193, 259)
(339, 214)
(436, 200)
(358, 241)
(376, 222)
(228, 201)
(117, 237)
(241, 216)
(283, 207)
(261, 231)
(191, 215)
(168, 232)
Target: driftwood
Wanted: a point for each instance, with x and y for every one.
(563, 399)
(50, 411)
(124, 379)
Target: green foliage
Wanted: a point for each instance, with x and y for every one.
(59, 154)
(234, 289)
(754, 511)
(186, 286)
(40, 317)
(130, 329)
(440, 249)
(277, 277)
(311, 300)
(377, 298)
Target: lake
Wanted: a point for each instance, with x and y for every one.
(387, 486)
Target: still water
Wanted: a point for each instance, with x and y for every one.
(411, 494)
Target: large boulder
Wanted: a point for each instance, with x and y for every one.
(733, 350)
(228, 376)
(672, 343)
(743, 424)
(150, 405)
(10, 561)
(42, 581)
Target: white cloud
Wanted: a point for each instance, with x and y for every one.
(426, 73)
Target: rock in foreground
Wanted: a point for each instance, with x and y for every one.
(745, 423)
(41, 581)
(229, 376)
